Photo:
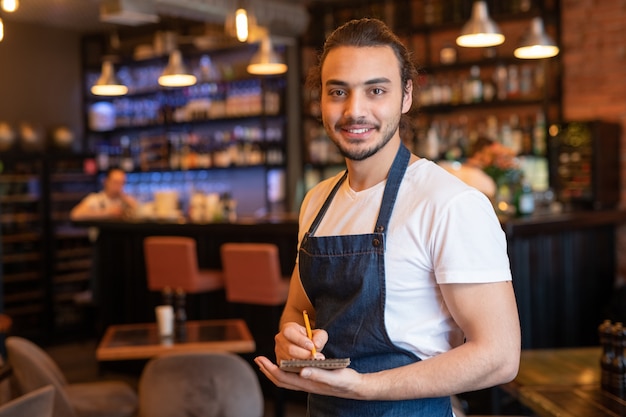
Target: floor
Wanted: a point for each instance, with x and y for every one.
(77, 361)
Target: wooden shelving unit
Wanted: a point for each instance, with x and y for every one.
(45, 260)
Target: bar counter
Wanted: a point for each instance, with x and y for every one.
(563, 266)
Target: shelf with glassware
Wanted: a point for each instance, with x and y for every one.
(462, 93)
(466, 92)
(229, 120)
(22, 230)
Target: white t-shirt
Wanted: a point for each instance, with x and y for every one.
(101, 202)
(441, 231)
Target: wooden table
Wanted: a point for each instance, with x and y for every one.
(564, 383)
(142, 341)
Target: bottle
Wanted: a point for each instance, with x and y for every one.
(501, 81)
(539, 135)
(517, 135)
(605, 335)
(167, 296)
(180, 315)
(477, 84)
(513, 84)
(473, 87)
(524, 199)
(618, 365)
(126, 162)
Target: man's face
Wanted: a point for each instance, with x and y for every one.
(114, 183)
(361, 99)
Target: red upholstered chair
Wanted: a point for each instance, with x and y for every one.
(252, 274)
(172, 261)
(257, 292)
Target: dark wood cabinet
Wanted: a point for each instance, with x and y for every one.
(585, 163)
(46, 261)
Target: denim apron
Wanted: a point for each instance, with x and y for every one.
(344, 277)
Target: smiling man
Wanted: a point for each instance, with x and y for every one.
(402, 267)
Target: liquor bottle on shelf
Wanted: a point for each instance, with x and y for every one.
(501, 81)
(539, 135)
(524, 199)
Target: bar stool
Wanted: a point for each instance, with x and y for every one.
(172, 262)
(257, 292)
(252, 274)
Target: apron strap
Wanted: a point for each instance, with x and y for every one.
(396, 173)
(394, 178)
(329, 199)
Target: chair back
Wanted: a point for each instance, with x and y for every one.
(37, 403)
(200, 384)
(171, 261)
(252, 273)
(33, 368)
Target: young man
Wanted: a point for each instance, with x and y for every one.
(402, 267)
(110, 203)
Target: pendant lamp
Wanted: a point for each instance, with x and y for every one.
(266, 61)
(536, 44)
(240, 24)
(108, 84)
(9, 5)
(175, 74)
(480, 30)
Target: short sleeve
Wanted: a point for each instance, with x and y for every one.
(470, 245)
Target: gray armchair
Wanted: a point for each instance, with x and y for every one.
(33, 368)
(199, 384)
(37, 403)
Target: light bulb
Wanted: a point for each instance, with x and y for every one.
(10, 5)
(1, 29)
(241, 24)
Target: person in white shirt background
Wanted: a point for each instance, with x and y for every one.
(110, 203)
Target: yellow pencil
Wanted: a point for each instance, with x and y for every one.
(309, 333)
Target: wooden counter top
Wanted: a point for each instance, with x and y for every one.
(523, 226)
(550, 223)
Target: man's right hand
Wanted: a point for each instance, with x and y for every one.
(292, 342)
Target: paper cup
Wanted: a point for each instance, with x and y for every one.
(165, 320)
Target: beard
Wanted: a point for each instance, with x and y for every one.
(358, 153)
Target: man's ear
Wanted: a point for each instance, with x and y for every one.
(407, 97)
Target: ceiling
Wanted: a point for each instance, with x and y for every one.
(76, 15)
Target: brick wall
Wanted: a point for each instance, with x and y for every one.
(593, 39)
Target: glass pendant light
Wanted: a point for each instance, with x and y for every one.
(480, 30)
(108, 84)
(175, 74)
(536, 44)
(240, 24)
(266, 61)
(9, 5)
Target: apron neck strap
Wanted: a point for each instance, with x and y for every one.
(396, 173)
(394, 178)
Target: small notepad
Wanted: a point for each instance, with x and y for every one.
(295, 365)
